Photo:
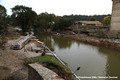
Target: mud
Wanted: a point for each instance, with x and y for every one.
(109, 43)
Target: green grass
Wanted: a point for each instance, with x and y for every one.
(48, 60)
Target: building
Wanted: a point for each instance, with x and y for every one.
(115, 20)
(90, 23)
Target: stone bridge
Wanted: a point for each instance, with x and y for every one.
(115, 20)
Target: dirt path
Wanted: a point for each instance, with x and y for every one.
(11, 59)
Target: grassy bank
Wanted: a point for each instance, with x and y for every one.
(53, 64)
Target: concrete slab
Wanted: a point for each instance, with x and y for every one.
(45, 72)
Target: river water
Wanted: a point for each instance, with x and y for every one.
(95, 62)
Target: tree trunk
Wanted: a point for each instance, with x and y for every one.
(46, 29)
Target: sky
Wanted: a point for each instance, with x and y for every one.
(63, 7)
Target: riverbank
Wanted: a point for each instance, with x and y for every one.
(109, 43)
(93, 60)
(13, 64)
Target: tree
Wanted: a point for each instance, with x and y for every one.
(45, 20)
(8, 19)
(24, 16)
(92, 19)
(3, 15)
(3, 25)
(86, 17)
(61, 23)
(106, 20)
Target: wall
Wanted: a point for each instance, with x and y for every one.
(115, 20)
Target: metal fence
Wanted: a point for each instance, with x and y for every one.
(74, 75)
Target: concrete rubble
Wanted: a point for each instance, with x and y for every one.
(45, 72)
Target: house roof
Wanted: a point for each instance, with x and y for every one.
(91, 22)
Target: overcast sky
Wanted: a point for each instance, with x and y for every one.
(63, 7)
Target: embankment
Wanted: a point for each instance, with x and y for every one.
(109, 43)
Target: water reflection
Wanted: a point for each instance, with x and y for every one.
(94, 61)
(113, 62)
(46, 38)
(62, 43)
(52, 41)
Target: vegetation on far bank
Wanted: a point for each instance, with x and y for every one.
(87, 17)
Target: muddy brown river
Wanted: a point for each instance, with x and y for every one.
(97, 63)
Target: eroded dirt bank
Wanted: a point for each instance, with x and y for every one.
(109, 43)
